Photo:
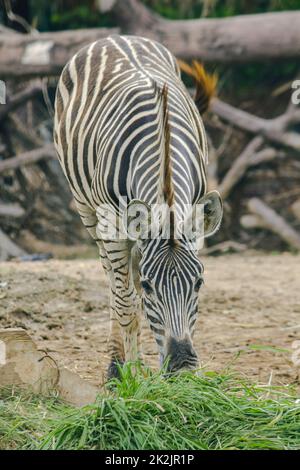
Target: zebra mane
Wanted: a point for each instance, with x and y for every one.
(167, 187)
(168, 190)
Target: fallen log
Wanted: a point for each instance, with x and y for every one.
(263, 216)
(235, 39)
(28, 158)
(5, 30)
(28, 55)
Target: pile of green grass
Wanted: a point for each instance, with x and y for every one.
(145, 410)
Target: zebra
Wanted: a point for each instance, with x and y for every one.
(130, 137)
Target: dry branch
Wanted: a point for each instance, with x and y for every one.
(19, 99)
(249, 157)
(275, 130)
(263, 216)
(239, 167)
(11, 210)
(224, 247)
(54, 177)
(296, 209)
(27, 158)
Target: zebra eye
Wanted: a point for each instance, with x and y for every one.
(147, 287)
(198, 284)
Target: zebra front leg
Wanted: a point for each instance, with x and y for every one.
(132, 340)
(125, 304)
(115, 346)
(115, 340)
(124, 341)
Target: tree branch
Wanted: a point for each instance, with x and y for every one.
(18, 100)
(265, 217)
(11, 210)
(27, 158)
(275, 130)
(250, 156)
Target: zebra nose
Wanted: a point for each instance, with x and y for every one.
(181, 355)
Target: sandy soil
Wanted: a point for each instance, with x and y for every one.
(249, 302)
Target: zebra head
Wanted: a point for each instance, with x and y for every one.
(168, 275)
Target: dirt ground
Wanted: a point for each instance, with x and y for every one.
(249, 310)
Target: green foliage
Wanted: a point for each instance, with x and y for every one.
(71, 14)
(146, 410)
(178, 9)
(79, 17)
(58, 15)
(254, 79)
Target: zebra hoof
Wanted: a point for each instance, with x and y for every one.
(113, 371)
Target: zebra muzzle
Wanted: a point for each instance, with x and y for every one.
(181, 355)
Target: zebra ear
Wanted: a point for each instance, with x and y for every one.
(137, 219)
(209, 217)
